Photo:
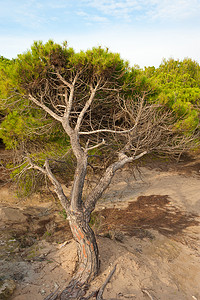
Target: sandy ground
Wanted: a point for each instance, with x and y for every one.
(146, 224)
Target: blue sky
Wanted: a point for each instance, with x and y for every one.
(142, 31)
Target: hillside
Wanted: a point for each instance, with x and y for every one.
(147, 224)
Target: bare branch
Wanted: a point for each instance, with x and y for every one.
(69, 85)
(36, 167)
(47, 171)
(138, 117)
(106, 130)
(70, 101)
(96, 146)
(106, 180)
(43, 106)
(58, 188)
(87, 105)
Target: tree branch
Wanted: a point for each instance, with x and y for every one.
(33, 166)
(96, 146)
(70, 101)
(139, 113)
(69, 85)
(58, 188)
(87, 105)
(106, 180)
(107, 130)
(48, 110)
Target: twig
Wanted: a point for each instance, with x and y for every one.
(148, 294)
(90, 295)
(52, 296)
(101, 290)
(96, 146)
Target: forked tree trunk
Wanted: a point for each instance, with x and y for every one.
(88, 256)
(79, 217)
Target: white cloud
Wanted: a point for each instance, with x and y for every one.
(37, 14)
(174, 9)
(93, 18)
(116, 8)
(24, 13)
(32, 13)
(98, 19)
(139, 44)
(151, 9)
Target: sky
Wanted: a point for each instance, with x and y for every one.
(142, 31)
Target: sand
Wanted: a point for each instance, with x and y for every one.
(154, 245)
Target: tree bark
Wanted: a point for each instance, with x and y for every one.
(88, 256)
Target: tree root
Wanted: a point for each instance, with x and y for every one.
(53, 296)
(148, 294)
(101, 290)
(76, 292)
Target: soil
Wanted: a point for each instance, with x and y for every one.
(146, 223)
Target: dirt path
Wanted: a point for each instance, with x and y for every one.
(146, 225)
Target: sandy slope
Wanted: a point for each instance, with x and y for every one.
(153, 261)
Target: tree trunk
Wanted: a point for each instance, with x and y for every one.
(88, 256)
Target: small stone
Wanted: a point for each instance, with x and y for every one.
(56, 285)
(42, 292)
(7, 288)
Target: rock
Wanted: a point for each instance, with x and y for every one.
(11, 215)
(7, 288)
(42, 292)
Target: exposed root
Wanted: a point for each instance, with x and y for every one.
(76, 292)
(93, 294)
(148, 294)
(101, 290)
(99, 293)
(53, 296)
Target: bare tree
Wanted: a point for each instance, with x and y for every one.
(96, 112)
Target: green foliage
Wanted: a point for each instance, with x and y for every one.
(6, 83)
(179, 84)
(36, 66)
(95, 221)
(27, 127)
(33, 65)
(24, 125)
(34, 72)
(99, 61)
(28, 183)
(63, 214)
(5, 68)
(20, 128)
(12, 130)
